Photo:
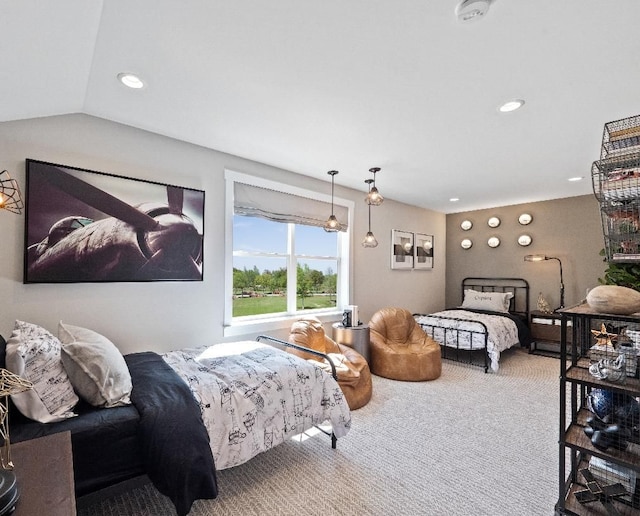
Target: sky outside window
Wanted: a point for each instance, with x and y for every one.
(257, 235)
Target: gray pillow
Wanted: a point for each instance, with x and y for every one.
(95, 366)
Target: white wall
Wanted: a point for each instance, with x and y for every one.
(169, 315)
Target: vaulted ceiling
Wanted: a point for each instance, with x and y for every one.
(345, 84)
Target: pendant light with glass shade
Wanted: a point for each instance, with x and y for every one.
(369, 239)
(332, 223)
(374, 197)
(10, 196)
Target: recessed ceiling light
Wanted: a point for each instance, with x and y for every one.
(454, 199)
(511, 105)
(573, 179)
(131, 80)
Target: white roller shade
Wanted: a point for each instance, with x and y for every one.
(254, 201)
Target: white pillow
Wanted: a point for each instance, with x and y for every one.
(507, 300)
(96, 367)
(33, 353)
(491, 301)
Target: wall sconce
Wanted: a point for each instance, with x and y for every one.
(332, 223)
(374, 197)
(10, 196)
(541, 258)
(369, 239)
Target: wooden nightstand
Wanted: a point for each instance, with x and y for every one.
(545, 333)
(44, 469)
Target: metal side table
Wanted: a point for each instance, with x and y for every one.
(356, 337)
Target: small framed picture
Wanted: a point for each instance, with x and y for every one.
(401, 249)
(423, 251)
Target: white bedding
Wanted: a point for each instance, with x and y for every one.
(254, 396)
(502, 332)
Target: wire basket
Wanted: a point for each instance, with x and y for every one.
(621, 137)
(616, 185)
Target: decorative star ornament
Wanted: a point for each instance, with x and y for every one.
(603, 337)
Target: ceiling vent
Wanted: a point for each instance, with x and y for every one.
(472, 10)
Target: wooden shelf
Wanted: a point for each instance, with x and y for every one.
(573, 507)
(579, 373)
(578, 440)
(575, 383)
(585, 309)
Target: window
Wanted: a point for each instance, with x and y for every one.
(281, 261)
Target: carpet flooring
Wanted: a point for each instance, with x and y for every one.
(468, 443)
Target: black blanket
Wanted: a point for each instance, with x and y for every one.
(173, 438)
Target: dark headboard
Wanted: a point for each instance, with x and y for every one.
(519, 287)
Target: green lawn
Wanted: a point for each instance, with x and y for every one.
(272, 304)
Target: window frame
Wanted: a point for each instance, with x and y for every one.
(270, 322)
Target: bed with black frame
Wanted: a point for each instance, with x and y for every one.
(165, 433)
(478, 336)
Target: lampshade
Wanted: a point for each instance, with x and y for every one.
(373, 197)
(332, 223)
(10, 196)
(369, 238)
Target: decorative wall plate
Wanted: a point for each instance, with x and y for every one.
(493, 222)
(466, 243)
(524, 240)
(525, 219)
(493, 242)
(466, 225)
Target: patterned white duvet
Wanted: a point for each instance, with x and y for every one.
(502, 331)
(254, 396)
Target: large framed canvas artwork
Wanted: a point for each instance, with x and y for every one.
(88, 226)
(401, 249)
